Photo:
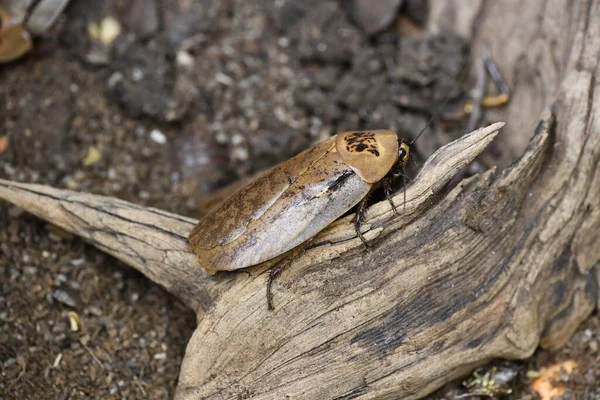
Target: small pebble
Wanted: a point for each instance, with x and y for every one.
(224, 79)
(283, 42)
(106, 31)
(237, 139)
(77, 262)
(92, 157)
(137, 74)
(114, 79)
(65, 297)
(184, 59)
(112, 174)
(15, 212)
(158, 137)
(30, 270)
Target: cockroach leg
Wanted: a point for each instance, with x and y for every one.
(358, 219)
(404, 186)
(276, 270)
(387, 181)
(387, 187)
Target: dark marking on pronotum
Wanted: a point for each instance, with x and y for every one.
(357, 143)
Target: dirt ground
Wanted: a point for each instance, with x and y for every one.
(190, 97)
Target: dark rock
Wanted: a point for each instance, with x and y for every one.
(271, 146)
(143, 18)
(291, 12)
(202, 18)
(183, 27)
(435, 62)
(373, 16)
(144, 82)
(366, 93)
(203, 163)
(67, 297)
(320, 105)
(325, 34)
(325, 76)
(417, 10)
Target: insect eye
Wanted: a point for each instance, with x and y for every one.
(402, 155)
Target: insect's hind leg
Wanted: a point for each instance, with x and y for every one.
(358, 219)
(276, 270)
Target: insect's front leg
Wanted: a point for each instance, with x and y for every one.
(387, 187)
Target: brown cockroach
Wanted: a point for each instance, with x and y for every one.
(293, 201)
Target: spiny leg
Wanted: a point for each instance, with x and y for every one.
(387, 187)
(358, 219)
(276, 270)
(404, 186)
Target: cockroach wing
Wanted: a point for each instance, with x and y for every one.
(371, 154)
(231, 219)
(283, 208)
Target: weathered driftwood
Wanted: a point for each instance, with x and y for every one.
(489, 268)
(446, 281)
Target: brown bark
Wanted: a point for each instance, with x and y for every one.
(492, 267)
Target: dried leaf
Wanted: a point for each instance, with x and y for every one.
(548, 385)
(106, 31)
(74, 321)
(93, 156)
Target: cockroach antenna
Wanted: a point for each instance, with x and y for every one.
(490, 101)
(433, 117)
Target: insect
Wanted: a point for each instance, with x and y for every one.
(292, 202)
